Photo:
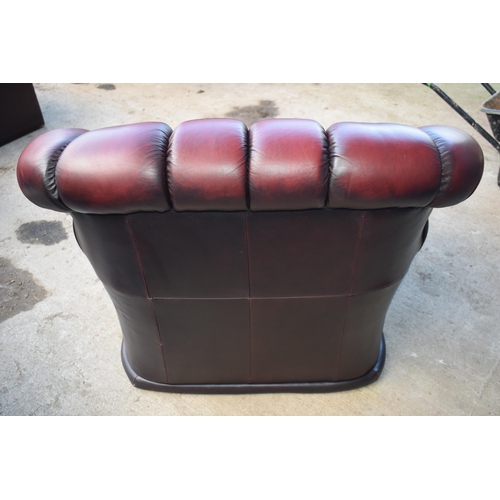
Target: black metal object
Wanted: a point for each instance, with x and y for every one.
(488, 87)
(464, 115)
(496, 119)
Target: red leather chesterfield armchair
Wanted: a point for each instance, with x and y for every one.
(259, 260)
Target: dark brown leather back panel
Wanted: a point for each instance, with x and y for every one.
(297, 340)
(388, 241)
(206, 341)
(141, 335)
(242, 297)
(303, 253)
(362, 331)
(107, 243)
(192, 254)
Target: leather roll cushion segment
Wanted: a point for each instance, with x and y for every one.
(462, 163)
(382, 165)
(36, 168)
(116, 170)
(207, 165)
(288, 165)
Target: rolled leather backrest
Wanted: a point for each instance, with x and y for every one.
(251, 260)
(279, 164)
(36, 169)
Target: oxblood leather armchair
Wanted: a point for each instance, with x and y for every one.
(251, 261)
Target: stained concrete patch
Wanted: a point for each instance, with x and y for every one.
(19, 290)
(42, 232)
(106, 86)
(252, 114)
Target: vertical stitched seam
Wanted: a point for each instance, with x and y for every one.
(249, 294)
(169, 183)
(329, 155)
(166, 149)
(247, 166)
(360, 231)
(49, 179)
(150, 300)
(440, 187)
(332, 145)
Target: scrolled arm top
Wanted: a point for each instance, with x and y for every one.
(220, 165)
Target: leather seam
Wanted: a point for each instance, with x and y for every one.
(165, 151)
(331, 165)
(168, 171)
(249, 293)
(376, 289)
(148, 295)
(249, 159)
(350, 295)
(439, 189)
(328, 165)
(247, 167)
(49, 179)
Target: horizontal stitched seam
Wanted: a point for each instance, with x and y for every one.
(290, 297)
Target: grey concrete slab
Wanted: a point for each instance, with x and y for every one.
(59, 336)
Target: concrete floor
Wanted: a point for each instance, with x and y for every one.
(59, 335)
